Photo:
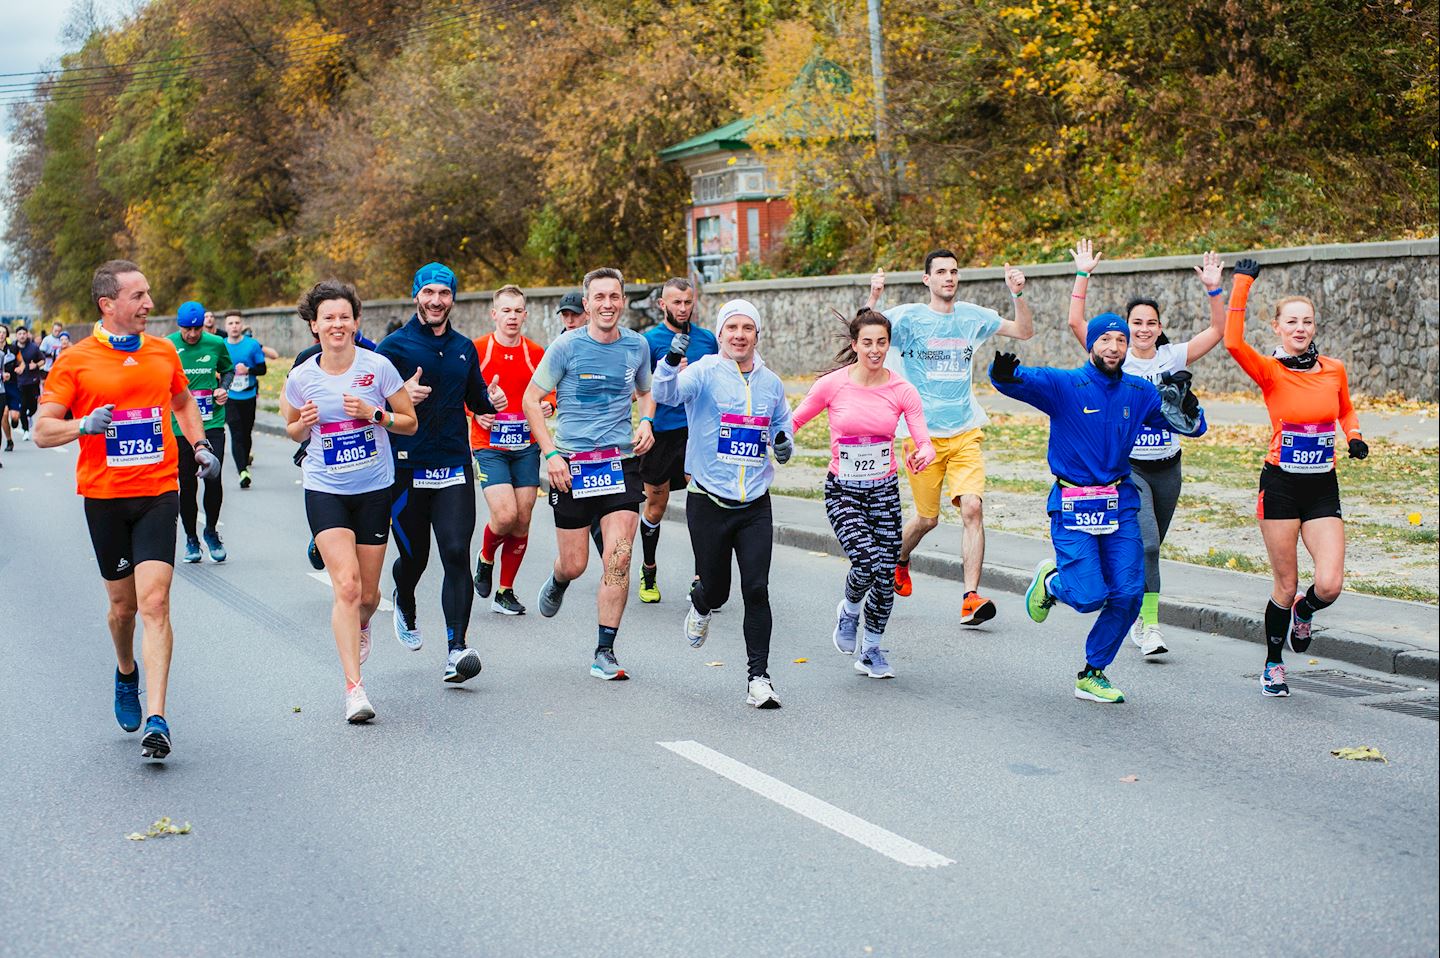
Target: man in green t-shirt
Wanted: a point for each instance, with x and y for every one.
(209, 370)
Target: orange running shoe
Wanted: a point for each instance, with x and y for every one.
(903, 585)
(976, 609)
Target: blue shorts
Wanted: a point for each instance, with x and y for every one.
(12, 395)
(508, 467)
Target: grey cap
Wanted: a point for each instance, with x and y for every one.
(571, 303)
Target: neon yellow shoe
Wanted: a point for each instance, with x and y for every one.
(1038, 599)
(649, 591)
(1092, 686)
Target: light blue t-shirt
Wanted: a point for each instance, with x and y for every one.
(246, 351)
(594, 384)
(935, 352)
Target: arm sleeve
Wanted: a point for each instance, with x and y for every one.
(914, 413)
(259, 369)
(1349, 422)
(815, 400)
(1253, 363)
(477, 391)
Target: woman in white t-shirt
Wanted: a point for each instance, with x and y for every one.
(1155, 457)
(337, 400)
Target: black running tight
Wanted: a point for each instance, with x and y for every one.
(190, 484)
(449, 511)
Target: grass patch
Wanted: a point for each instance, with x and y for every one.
(1396, 536)
(1392, 590)
(805, 493)
(1037, 487)
(1217, 559)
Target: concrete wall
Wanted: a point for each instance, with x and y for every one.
(1377, 304)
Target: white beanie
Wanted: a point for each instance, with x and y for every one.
(737, 307)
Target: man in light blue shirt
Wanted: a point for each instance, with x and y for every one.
(249, 359)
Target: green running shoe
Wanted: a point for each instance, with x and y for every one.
(1038, 599)
(1093, 686)
(649, 591)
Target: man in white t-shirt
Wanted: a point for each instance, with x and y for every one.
(932, 345)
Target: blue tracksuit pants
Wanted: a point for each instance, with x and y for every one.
(1101, 572)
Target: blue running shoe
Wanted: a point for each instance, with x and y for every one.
(606, 667)
(127, 702)
(408, 632)
(845, 628)
(192, 549)
(551, 595)
(1272, 683)
(317, 561)
(156, 743)
(873, 664)
(216, 547)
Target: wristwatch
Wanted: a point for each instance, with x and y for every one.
(378, 417)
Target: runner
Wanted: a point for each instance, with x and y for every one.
(571, 312)
(29, 363)
(209, 322)
(1096, 411)
(933, 347)
(507, 461)
(1155, 460)
(740, 415)
(663, 467)
(862, 490)
(249, 359)
(1305, 394)
(119, 384)
(596, 373)
(9, 389)
(434, 478)
(336, 401)
(209, 370)
(51, 346)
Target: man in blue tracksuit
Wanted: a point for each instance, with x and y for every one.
(738, 418)
(1095, 413)
(434, 482)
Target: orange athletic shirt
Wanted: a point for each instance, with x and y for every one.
(514, 365)
(142, 386)
(1321, 395)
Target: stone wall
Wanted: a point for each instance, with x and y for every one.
(1377, 305)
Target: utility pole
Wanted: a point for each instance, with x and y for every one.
(882, 127)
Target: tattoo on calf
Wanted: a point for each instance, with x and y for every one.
(617, 570)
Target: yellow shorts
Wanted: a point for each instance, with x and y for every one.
(959, 465)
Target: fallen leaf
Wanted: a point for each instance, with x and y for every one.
(1314, 661)
(801, 661)
(1130, 779)
(294, 708)
(714, 665)
(1363, 753)
(135, 837)
(819, 553)
(1414, 518)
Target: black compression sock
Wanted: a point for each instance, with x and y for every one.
(607, 637)
(134, 675)
(697, 598)
(1311, 603)
(453, 641)
(649, 539)
(1277, 623)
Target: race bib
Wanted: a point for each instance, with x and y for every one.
(1307, 447)
(240, 383)
(1092, 509)
(1154, 444)
(348, 445)
(134, 438)
(205, 399)
(947, 360)
(744, 440)
(510, 430)
(598, 473)
(864, 457)
(438, 478)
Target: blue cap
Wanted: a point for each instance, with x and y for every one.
(433, 273)
(190, 314)
(1102, 324)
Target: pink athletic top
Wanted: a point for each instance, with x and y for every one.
(859, 411)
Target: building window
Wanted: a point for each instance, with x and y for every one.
(752, 234)
(707, 236)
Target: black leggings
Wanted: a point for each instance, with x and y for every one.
(450, 513)
(866, 520)
(29, 402)
(715, 534)
(189, 483)
(240, 417)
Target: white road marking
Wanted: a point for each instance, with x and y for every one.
(324, 577)
(857, 829)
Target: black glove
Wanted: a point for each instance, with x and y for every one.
(784, 448)
(1248, 267)
(1004, 367)
(678, 344)
(1358, 448)
(1189, 404)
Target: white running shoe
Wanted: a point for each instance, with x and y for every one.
(357, 705)
(761, 693)
(1137, 629)
(364, 642)
(697, 627)
(1151, 643)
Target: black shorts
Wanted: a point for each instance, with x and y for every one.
(367, 514)
(1291, 495)
(665, 462)
(127, 532)
(572, 513)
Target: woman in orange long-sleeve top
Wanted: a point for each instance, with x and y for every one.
(1306, 394)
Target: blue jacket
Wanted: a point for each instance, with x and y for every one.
(669, 416)
(452, 371)
(709, 387)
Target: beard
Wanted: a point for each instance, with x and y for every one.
(1112, 371)
(425, 316)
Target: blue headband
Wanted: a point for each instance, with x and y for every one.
(437, 273)
(1102, 324)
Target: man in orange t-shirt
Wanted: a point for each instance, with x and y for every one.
(507, 461)
(123, 386)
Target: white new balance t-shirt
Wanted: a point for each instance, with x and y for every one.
(345, 456)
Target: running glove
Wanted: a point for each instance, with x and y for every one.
(207, 461)
(678, 345)
(1004, 367)
(98, 421)
(784, 448)
(1359, 449)
(1248, 267)
(1189, 404)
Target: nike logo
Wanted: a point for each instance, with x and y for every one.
(1090, 410)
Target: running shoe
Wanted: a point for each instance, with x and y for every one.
(1092, 686)
(156, 743)
(1137, 633)
(484, 577)
(903, 585)
(506, 604)
(216, 547)
(649, 591)
(1038, 599)
(697, 627)
(192, 550)
(244, 478)
(606, 667)
(317, 561)
(1298, 635)
(24, 435)
(407, 630)
(364, 642)
(1151, 643)
(127, 702)
(872, 663)
(10, 445)
(551, 595)
(1272, 683)
(761, 693)
(462, 665)
(357, 705)
(976, 609)
(846, 626)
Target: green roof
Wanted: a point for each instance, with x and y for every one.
(731, 136)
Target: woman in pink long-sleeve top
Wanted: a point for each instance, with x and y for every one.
(862, 491)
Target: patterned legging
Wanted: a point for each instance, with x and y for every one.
(866, 520)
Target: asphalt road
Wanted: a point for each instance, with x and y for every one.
(535, 811)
